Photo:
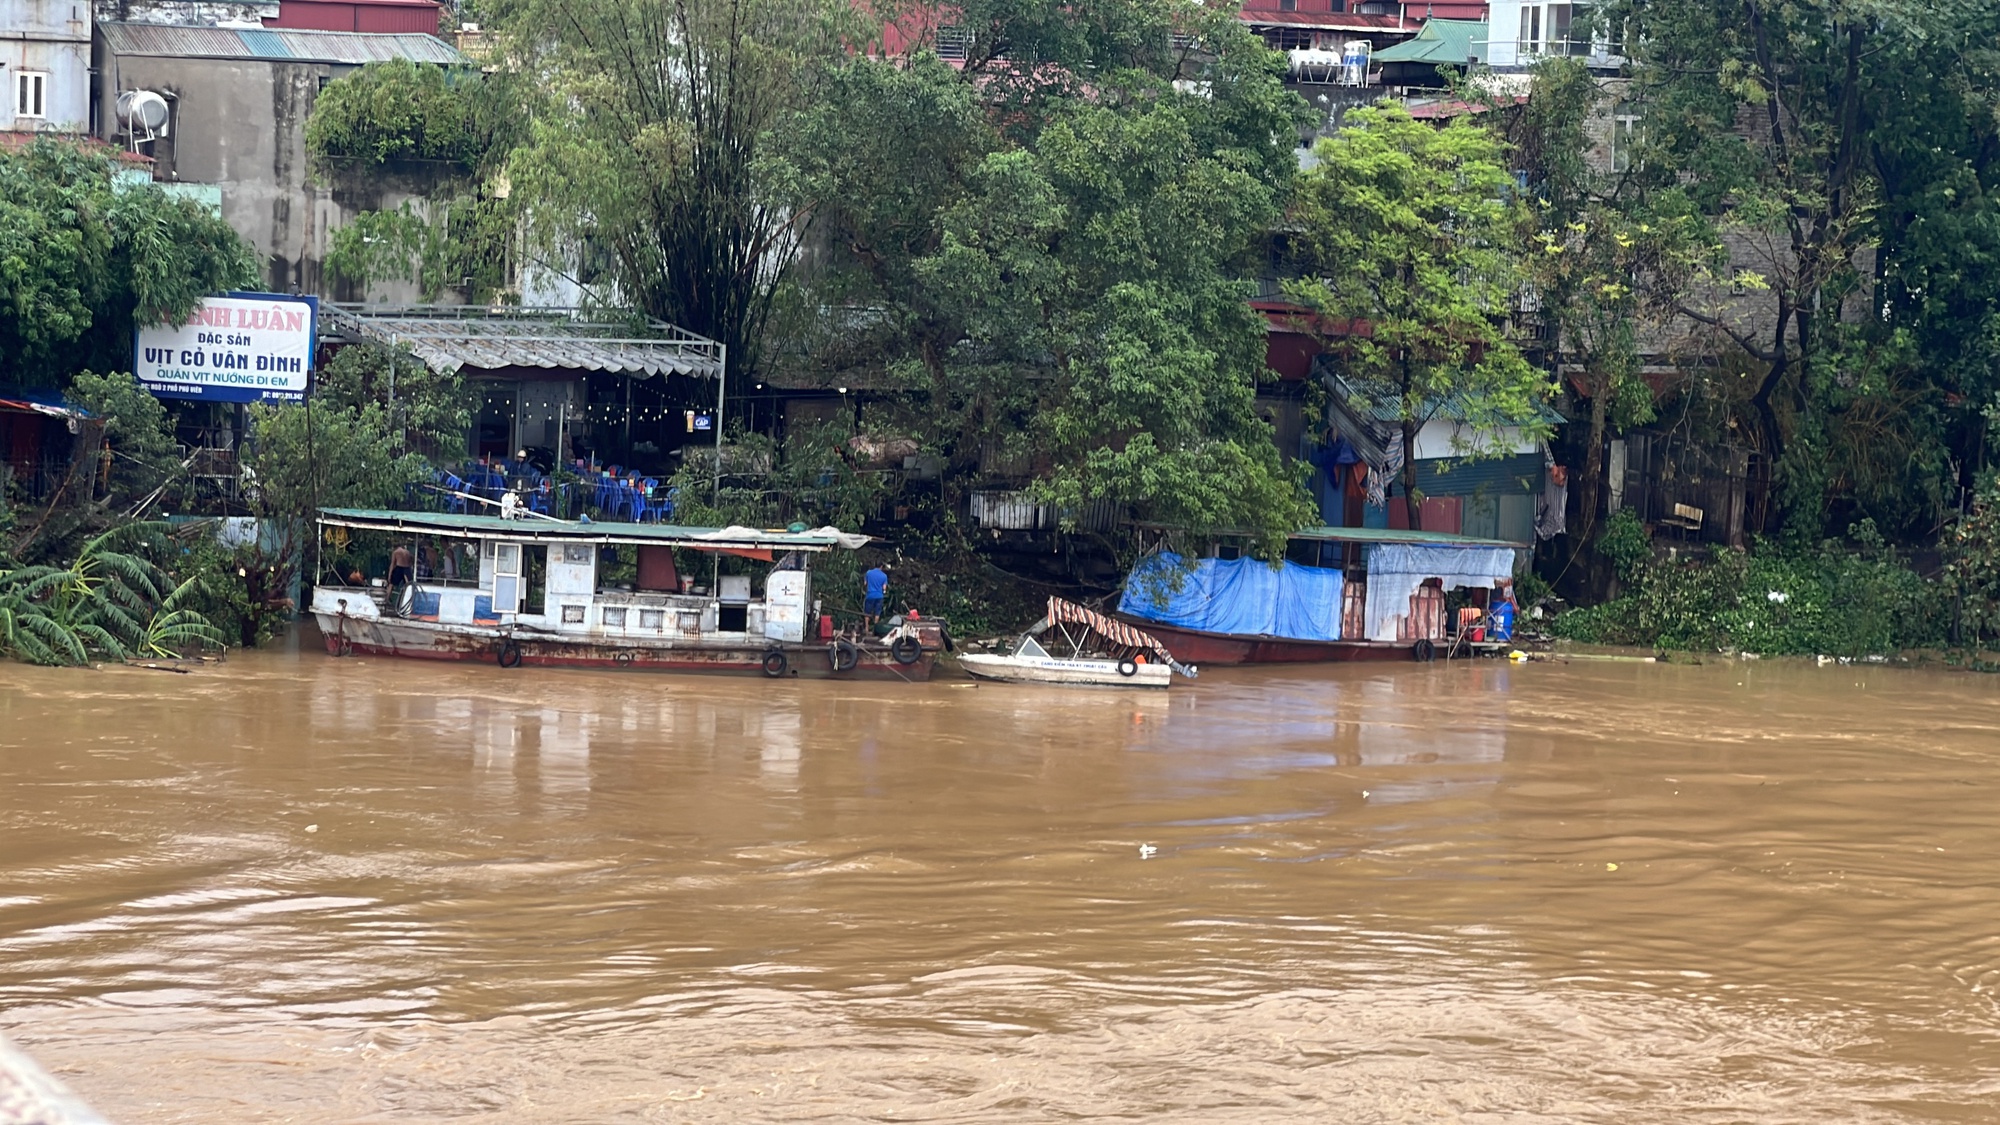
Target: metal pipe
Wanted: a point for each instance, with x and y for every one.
(721, 389)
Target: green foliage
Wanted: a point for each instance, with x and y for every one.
(1834, 600)
(464, 124)
(1625, 544)
(648, 124)
(1054, 277)
(1411, 230)
(400, 110)
(432, 412)
(111, 602)
(136, 428)
(329, 456)
(461, 238)
(88, 256)
(1972, 566)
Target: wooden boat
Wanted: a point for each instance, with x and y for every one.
(1196, 646)
(658, 624)
(1377, 598)
(1103, 653)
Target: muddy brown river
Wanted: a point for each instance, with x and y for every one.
(295, 888)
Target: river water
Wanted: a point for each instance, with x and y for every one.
(295, 888)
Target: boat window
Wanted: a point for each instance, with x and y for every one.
(1030, 647)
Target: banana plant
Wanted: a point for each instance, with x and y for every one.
(108, 603)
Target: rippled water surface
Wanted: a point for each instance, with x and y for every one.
(295, 888)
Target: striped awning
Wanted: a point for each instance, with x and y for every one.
(1114, 632)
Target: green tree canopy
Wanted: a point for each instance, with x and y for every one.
(1414, 253)
(1046, 246)
(647, 124)
(88, 255)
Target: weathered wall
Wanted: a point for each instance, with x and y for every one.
(240, 124)
(51, 36)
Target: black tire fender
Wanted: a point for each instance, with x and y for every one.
(776, 663)
(906, 650)
(1423, 652)
(843, 656)
(1128, 667)
(510, 655)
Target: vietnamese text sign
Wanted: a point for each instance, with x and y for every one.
(245, 347)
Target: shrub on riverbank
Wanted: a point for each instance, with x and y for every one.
(1837, 599)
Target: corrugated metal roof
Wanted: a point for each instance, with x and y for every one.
(447, 338)
(479, 526)
(166, 40)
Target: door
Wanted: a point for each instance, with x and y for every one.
(507, 578)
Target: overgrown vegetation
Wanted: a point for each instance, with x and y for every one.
(1852, 598)
(112, 602)
(89, 253)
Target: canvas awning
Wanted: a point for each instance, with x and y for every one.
(1113, 631)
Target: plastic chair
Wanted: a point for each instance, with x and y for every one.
(626, 501)
(453, 501)
(659, 508)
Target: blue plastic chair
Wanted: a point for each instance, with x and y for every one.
(452, 501)
(625, 501)
(659, 509)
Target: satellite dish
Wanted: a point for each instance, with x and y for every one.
(144, 115)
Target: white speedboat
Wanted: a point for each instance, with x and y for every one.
(1103, 653)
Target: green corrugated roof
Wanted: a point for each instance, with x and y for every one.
(1443, 42)
(1390, 535)
(530, 529)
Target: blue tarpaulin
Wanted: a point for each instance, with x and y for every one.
(1242, 596)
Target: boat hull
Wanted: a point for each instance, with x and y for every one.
(1064, 673)
(424, 640)
(1194, 646)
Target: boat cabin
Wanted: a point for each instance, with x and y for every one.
(547, 576)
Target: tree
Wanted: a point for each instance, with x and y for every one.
(137, 432)
(451, 130)
(302, 458)
(89, 255)
(1412, 244)
(1788, 121)
(1045, 248)
(1613, 258)
(642, 166)
(429, 412)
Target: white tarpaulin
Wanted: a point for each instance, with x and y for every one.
(1396, 570)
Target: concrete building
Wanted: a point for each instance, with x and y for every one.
(45, 66)
(1524, 31)
(239, 99)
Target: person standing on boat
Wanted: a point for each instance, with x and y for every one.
(874, 587)
(400, 571)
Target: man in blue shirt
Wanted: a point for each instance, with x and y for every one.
(875, 585)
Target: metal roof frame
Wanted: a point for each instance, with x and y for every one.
(450, 337)
(466, 526)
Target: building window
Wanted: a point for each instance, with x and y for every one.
(1288, 39)
(1288, 5)
(1624, 135)
(953, 43)
(1545, 30)
(31, 93)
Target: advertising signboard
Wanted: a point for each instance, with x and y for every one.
(242, 347)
